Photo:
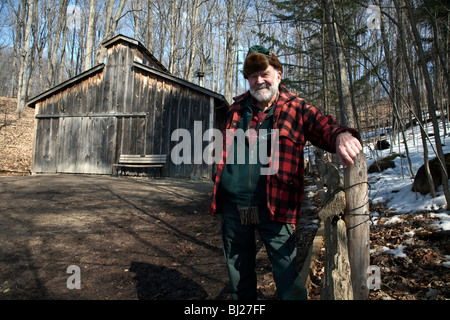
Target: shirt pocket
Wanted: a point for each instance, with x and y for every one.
(289, 157)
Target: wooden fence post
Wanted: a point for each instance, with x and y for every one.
(357, 220)
(336, 280)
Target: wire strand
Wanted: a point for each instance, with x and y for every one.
(339, 189)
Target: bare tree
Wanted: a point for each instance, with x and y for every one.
(149, 38)
(55, 64)
(111, 21)
(340, 66)
(25, 58)
(193, 31)
(174, 20)
(90, 39)
(236, 12)
(430, 98)
(40, 38)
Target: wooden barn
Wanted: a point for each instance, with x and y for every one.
(129, 105)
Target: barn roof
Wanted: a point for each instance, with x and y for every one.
(84, 75)
(185, 83)
(161, 71)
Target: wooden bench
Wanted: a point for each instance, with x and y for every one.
(141, 161)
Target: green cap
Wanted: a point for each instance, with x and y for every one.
(259, 49)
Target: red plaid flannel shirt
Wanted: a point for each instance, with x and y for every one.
(297, 123)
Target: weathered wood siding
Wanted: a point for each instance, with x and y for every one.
(73, 133)
(122, 108)
(165, 107)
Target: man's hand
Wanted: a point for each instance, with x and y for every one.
(347, 148)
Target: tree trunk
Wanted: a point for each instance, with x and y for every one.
(228, 70)
(340, 69)
(237, 10)
(149, 37)
(324, 66)
(60, 25)
(173, 32)
(193, 35)
(401, 44)
(392, 89)
(90, 39)
(437, 47)
(25, 60)
(110, 25)
(430, 99)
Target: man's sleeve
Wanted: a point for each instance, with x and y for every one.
(323, 130)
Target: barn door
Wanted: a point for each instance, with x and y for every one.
(46, 145)
(132, 137)
(86, 145)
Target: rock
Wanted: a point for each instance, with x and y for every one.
(385, 163)
(420, 181)
(393, 156)
(381, 165)
(382, 145)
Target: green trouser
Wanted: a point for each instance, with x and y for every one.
(240, 253)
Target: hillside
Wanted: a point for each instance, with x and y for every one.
(16, 138)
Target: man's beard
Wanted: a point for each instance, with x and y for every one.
(264, 95)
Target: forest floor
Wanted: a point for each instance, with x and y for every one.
(411, 253)
(139, 238)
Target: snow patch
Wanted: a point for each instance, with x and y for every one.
(394, 185)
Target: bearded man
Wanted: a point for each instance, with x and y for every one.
(269, 203)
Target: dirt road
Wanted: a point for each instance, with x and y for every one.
(131, 238)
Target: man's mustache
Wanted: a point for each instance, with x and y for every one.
(262, 86)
